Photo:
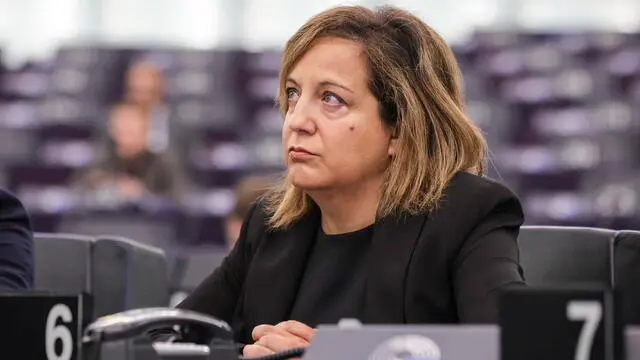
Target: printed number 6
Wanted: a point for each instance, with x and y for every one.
(591, 313)
(58, 332)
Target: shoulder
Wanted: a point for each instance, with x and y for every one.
(478, 191)
(10, 206)
(255, 223)
(469, 199)
(167, 161)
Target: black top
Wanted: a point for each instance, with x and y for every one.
(16, 245)
(161, 174)
(333, 283)
(447, 265)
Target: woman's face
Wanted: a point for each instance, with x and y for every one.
(333, 136)
(128, 129)
(143, 85)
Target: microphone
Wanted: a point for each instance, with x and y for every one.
(138, 321)
(133, 323)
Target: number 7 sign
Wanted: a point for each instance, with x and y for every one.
(590, 313)
(566, 323)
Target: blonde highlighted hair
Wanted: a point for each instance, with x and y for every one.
(416, 80)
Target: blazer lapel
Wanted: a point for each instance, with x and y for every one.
(394, 239)
(275, 274)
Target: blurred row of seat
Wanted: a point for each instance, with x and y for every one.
(200, 219)
(560, 112)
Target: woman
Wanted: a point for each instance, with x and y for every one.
(383, 215)
(129, 171)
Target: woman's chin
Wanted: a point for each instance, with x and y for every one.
(305, 182)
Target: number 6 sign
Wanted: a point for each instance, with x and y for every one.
(42, 326)
(55, 332)
(577, 324)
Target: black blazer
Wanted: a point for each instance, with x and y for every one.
(445, 266)
(16, 245)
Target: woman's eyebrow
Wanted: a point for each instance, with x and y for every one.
(323, 83)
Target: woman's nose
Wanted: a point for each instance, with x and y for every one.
(302, 119)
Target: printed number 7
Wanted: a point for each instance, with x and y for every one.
(591, 313)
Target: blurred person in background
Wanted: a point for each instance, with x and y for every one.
(247, 192)
(144, 86)
(385, 214)
(128, 170)
(16, 245)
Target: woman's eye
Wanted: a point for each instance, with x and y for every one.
(292, 93)
(332, 99)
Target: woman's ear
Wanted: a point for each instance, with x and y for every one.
(393, 147)
(393, 142)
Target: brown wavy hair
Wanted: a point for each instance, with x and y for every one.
(417, 82)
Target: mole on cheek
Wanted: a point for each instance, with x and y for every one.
(352, 127)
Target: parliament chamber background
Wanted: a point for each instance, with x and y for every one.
(555, 86)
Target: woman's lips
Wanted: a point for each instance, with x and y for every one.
(300, 153)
